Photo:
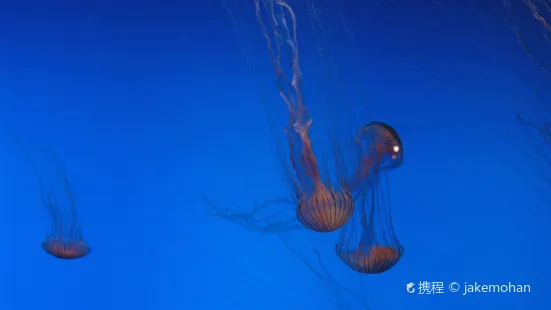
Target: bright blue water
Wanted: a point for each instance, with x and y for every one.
(151, 104)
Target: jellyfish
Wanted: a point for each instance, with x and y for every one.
(321, 207)
(64, 240)
(367, 243)
(320, 194)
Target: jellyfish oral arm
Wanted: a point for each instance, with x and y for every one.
(304, 162)
(306, 168)
(309, 159)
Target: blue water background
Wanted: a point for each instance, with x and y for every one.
(151, 104)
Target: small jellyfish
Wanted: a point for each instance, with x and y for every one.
(367, 243)
(322, 207)
(64, 240)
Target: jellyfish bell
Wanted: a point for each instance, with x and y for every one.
(64, 248)
(372, 260)
(378, 139)
(325, 210)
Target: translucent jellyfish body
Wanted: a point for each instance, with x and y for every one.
(65, 239)
(321, 199)
(379, 145)
(321, 206)
(367, 243)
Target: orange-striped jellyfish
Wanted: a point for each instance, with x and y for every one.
(367, 243)
(64, 240)
(321, 206)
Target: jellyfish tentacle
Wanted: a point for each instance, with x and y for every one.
(300, 120)
(274, 57)
(302, 187)
(308, 159)
(320, 207)
(296, 82)
(543, 130)
(537, 14)
(364, 303)
(259, 219)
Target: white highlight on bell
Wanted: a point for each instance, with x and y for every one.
(396, 149)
